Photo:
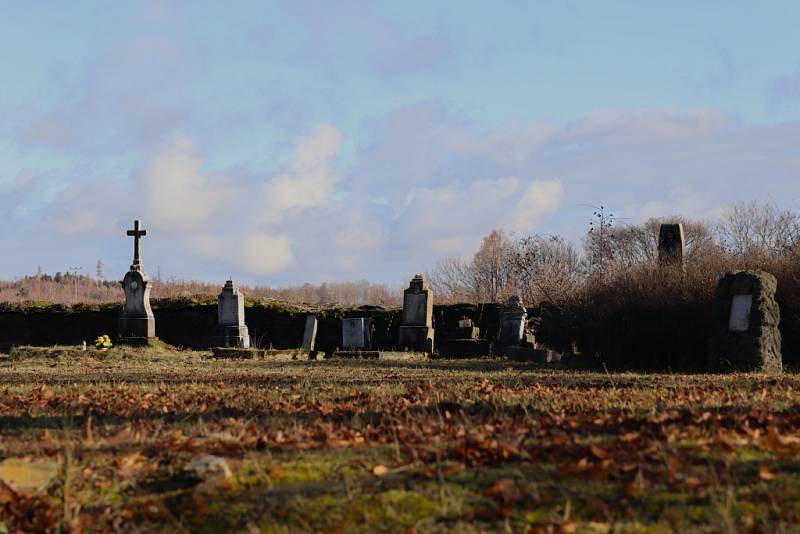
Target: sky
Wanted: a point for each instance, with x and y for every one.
(306, 141)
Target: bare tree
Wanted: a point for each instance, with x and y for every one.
(638, 244)
(491, 273)
(758, 229)
(546, 268)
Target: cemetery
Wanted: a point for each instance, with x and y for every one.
(409, 268)
(223, 413)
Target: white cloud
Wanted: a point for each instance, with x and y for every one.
(310, 179)
(263, 254)
(179, 197)
(539, 199)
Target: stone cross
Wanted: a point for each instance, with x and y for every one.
(137, 234)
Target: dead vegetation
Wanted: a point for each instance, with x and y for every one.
(417, 445)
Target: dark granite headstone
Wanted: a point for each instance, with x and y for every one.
(671, 244)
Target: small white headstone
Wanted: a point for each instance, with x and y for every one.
(740, 313)
(354, 333)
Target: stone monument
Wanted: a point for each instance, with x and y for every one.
(671, 244)
(746, 317)
(232, 330)
(464, 341)
(512, 323)
(310, 333)
(355, 334)
(512, 340)
(416, 330)
(137, 324)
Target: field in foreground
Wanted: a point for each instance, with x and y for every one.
(395, 445)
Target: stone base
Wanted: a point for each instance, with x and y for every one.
(258, 354)
(416, 338)
(527, 354)
(463, 348)
(136, 329)
(233, 336)
(357, 354)
(468, 332)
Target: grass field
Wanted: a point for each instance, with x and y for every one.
(400, 445)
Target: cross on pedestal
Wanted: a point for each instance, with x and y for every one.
(137, 234)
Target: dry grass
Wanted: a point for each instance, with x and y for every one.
(398, 444)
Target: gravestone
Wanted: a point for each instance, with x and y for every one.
(671, 244)
(310, 333)
(512, 323)
(232, 330)
(355, 334)
(416, 330)
(464, 342)
(746, 318)
(466, 330)
(137, 324)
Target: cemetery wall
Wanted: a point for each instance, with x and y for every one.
(193, 324)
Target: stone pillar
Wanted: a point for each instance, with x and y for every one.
(416, 330)
(746, 318)
(671, 244)
(232, 331)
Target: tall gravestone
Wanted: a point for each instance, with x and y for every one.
(671, 244)
(232, 330)
(310, 333)
(416, 330)
(137, 324)
(746, 318)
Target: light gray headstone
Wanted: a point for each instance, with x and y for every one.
(310, 333)
(232, 331)
(740, 313)
(230, 311)
(354, 333)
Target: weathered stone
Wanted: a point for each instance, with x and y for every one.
(355, 333)
(512, 324)
(746, 318)
(27, 476)
(209, 468)
(310, 333)
(671, 244)
(137, 324)
(416, 331)
(232, 330)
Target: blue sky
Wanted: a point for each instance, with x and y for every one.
(283, 142)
